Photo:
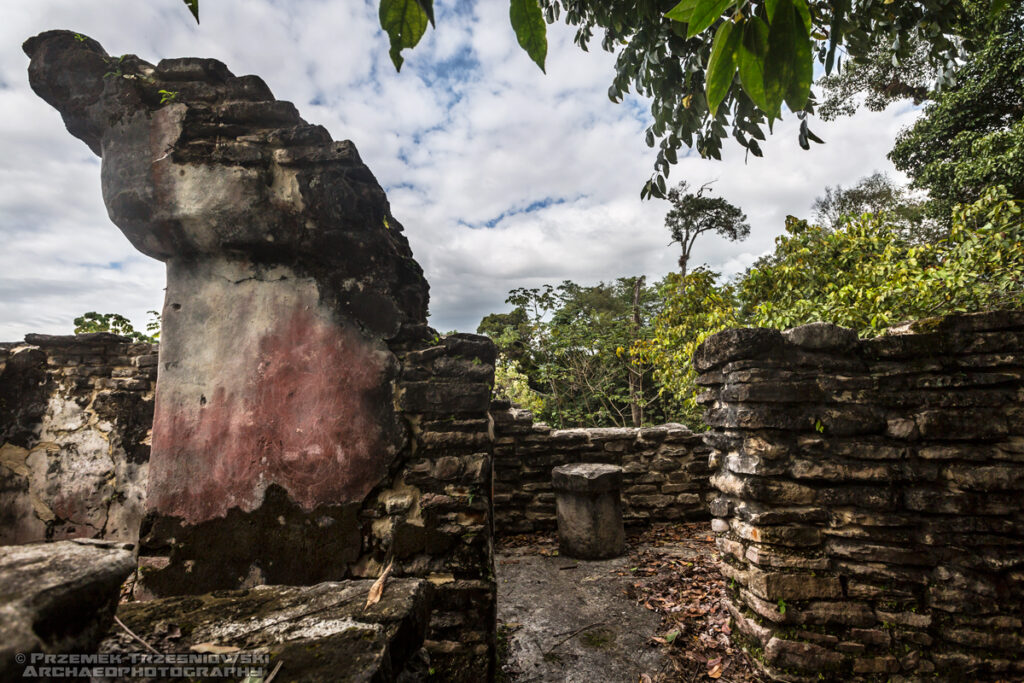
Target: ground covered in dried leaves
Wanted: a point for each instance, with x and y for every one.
(654, 615)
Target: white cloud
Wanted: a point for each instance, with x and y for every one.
(469, 135)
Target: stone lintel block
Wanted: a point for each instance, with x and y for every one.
(587, 478)
(765, 490)
(986, 477)
(833, 470)
(319, 633)
(735, 344)
(759, 514)
(874, 552)
(58, 597)
(961, 424)
(839, 612)
(743, 463)
(471, 346)
(434, 398)
(822, 336)
(876, 665)
(874, 637)
(778, 585)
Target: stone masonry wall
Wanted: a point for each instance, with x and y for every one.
(665, 478)
(75, 417)
(436, 518)
(871, 506)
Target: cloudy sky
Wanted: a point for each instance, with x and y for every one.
(502, 176)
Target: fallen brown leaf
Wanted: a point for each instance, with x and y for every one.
(212, 649)
(377, 589)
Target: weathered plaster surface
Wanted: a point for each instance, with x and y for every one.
(74, 443)
(260, 385)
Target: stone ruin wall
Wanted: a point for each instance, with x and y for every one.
(871, 506)
(665, 470)
(75, 417)
(308, 425)
(76, 413)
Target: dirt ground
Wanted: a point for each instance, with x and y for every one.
(650, 616)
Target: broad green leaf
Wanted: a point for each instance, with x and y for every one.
(193, 7)
(997, 6)
(835, 31)
(531, 31)
(804, 12)
(428, 8)
(404, 21)
(750, 58)
(682, 11)
(800, 87)
(705, 13)
(780, 61)
(721, 64)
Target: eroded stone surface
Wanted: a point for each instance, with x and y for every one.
(75, 417)
(317, 633)
(57, 597)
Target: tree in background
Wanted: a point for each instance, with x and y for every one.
(118, 324)
(879, 79)
(971, 136)
(876, 194)
(580, 366)
(511, 335)
(693, 214)
(867, 276)
(694, 308)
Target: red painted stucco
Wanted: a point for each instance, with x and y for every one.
(308, 413)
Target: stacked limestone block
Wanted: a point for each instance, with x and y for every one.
(871, 507)
(665, 469)
(435, 520)
(75, 415)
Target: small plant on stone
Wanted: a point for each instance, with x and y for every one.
(117, 68)
(782, 606)
(167, 96)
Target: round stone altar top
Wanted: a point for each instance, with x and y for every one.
(587, 477)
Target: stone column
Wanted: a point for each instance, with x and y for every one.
(289, 284)
(589, 510)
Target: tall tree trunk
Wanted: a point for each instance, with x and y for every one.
(634, 372)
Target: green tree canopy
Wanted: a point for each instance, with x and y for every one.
(971, 136)
(876, 194)
(694, 213)
(116, 323)
(577, 370)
